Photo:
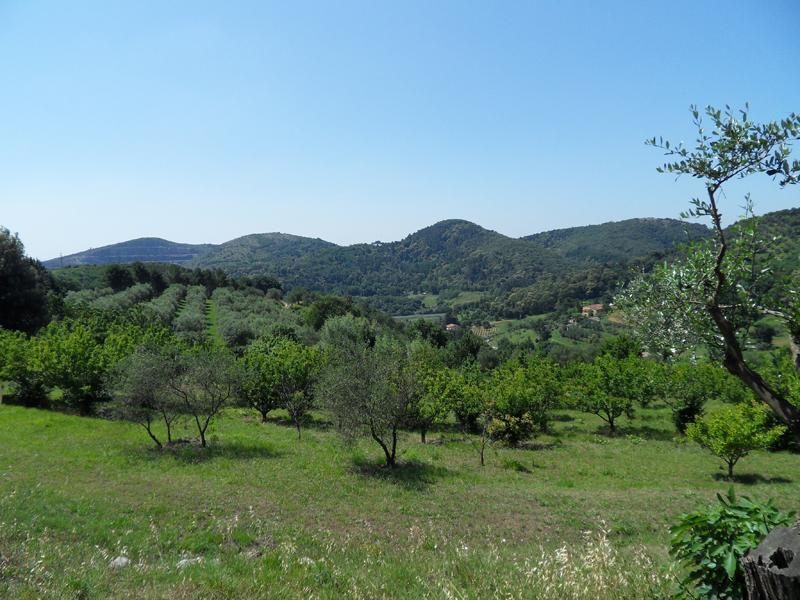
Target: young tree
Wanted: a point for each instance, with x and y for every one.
(279, 373)
(18, 372)
(139, 384)
(524, 394)
(257, 387)
(478, 392)
(435, 381)
(71, 357)
(608, 387)
(716, 292)
(733, 432)
(365, 386)
(203, 383)
(295, 368)
(687, 388)
(467, 404)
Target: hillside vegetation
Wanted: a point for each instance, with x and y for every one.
(141, 249)
(516, 277)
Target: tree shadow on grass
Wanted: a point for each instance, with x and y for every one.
(562, 418)
(750, 478)
(308, 423)
(536, 445)
(646, 432)
(411, 474)
(190, 452)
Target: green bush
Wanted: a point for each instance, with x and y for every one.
(512, 430)
(710, 541)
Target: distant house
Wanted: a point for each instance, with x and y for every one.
(453, 327)
(591, 310)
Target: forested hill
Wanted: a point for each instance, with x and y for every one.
(141, 249)
(510, 276)
(451, 254)
(619, 240)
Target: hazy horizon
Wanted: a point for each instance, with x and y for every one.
(200, 123)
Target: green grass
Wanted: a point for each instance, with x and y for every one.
(431, 301)
(466, 298)
(212, 324)
(277, 517)
(515, 330)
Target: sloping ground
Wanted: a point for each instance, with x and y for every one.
(268, 516)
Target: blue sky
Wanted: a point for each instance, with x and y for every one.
(359, 121)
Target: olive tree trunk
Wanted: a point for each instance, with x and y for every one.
(772, 570)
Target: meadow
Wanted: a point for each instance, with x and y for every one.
(575, 513)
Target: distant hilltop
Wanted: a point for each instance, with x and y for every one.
(608, 241)
(452, 263)
(526, 275)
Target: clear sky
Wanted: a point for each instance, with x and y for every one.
(361, 121)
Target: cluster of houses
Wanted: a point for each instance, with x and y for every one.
(592, 310)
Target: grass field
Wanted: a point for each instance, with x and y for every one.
(271, 516)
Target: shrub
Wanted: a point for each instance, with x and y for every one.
(511, 429)
(710, 541)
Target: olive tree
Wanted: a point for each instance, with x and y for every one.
(139, 385)
(366, 382)
(203, 383)
(716, 291)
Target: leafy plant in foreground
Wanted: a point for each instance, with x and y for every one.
(710, 541)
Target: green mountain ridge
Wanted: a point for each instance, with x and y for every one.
(619, 240)
(146, 249)
(510, 276)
